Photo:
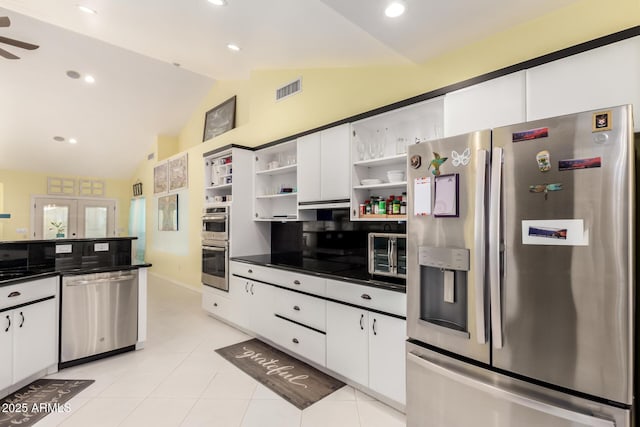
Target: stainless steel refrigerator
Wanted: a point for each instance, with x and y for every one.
(521, 275)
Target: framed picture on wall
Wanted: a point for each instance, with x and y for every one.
(178, 173)
(168, 213)
(220, 119)
(161, 178)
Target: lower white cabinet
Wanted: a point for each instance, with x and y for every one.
(29, 332)
(34, 338)
(216, 304)
(368, 348)
(252, 306)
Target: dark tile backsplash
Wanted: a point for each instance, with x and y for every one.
(331, 237)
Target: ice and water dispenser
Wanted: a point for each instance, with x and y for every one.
(443, 286)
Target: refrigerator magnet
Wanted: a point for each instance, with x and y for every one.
(555, 232)
(436, 163)
(545, 188)
(461, 159)
(415, 161)
(446, 196)
(573, 164)
(422, 196)
(544, 161)
(531, 134)
(601, 121)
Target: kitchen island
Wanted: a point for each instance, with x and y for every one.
(32, 301)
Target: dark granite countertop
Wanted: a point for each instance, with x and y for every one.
(83, 239)
(337, 268)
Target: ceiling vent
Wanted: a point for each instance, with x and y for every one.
(289, 89)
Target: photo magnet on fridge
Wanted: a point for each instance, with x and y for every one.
(528, 135)
(573, 164)
(601, 121)
(544, 161)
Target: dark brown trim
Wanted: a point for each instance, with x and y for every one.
(224, 148)
(544, 59)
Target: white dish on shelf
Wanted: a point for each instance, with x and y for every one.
(370, 181)
(395, 176)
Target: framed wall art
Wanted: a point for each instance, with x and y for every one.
(178, 172)
(161, 178)
(168, 213)
(220, 119)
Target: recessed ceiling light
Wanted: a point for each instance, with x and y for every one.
(89, 79)
(218, 2)
(72, 74)
(233, 47)
(73, 141)
(87, 9)
(395, 9)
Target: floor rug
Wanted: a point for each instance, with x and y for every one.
(30, 404)
(297, 382)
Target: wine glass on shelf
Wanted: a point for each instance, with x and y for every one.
(371, 148)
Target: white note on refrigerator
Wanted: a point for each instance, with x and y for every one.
(422, 196)
(555, 232)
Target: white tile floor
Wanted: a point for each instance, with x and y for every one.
(179, 380)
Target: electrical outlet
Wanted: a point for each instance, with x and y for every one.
(21, 230)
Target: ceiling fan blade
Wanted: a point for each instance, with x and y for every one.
(18, 43)
(8, 55)
(4, 21)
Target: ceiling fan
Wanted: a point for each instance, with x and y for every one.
(5, 22)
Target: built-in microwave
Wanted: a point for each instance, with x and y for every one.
(388, 254)
(215, 223)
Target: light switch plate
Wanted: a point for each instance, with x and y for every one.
(101, 247)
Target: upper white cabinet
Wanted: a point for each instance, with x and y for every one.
(599, 78)
(276, 184)
(490, 104)
(323, 165)
(379, 146)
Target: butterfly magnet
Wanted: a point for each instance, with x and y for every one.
(461, 159)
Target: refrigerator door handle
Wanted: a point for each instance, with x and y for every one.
(494, 247)
(479, 243)
(518, 399)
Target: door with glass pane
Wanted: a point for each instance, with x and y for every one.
(63, 218)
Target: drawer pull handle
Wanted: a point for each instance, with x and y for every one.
(14, 294)
(251, 289)
(361, 319)
(296, 308)
(250, 271)
(21, 320)
(215, 304)
(374, 327)
(246, 287)
(295, 341)
(8, 324)
(296, 282)
(366, 296)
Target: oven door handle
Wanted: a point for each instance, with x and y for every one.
(214, 248)
(220, 218)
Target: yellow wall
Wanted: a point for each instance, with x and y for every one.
(331, 94)
(19, 186)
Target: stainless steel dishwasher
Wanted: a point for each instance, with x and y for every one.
(99, 315)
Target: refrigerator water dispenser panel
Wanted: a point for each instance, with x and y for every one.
(443, 287)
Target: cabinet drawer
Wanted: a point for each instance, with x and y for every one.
(289, 279)
(28, 291)
(368, 297)
(302, 308)
(303, 341)
(215, 304)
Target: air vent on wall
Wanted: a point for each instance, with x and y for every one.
(289, 89)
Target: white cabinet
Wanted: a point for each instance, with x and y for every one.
(599, 78)
(252, 306)
(34, 338)
(28, 332)
(490, 104)
(215, 303)
(6, 349)
(379, 146)
(368, 348)
(323, 165)
(276, 185)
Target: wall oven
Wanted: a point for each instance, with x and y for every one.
(215, 223)
(215, 264)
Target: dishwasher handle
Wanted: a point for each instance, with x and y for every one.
(82, 282)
